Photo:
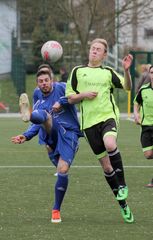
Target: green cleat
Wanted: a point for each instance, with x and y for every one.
(127, 214)
(122, 193)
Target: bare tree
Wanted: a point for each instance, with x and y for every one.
(89, 18)
(98, 18)
(133, 14)
(82, 20)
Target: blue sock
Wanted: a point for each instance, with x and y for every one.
(53, 158)
(38, 116)
(60, 190)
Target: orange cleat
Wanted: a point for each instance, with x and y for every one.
(56, 217)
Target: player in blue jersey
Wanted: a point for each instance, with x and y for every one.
(37, 94)
(59, 126)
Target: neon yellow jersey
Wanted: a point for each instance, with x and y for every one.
(102, 80)
(145, 99)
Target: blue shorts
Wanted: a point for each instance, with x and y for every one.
(62, 140)
(66, 146)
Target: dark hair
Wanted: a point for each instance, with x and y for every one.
(45, 65)
(150, 67)
(41, 72)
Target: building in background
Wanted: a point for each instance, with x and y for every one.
(136, 25)
(8, 24)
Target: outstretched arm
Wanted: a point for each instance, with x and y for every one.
(18, 139)
(126, 63)
(27, 135)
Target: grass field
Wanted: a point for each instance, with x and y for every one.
(89, 211)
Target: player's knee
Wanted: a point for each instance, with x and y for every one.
(62, 170)
(110, 147)
(38, 116)
(110, 144)
(62, 167)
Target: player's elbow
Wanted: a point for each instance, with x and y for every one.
(72, 99)
(128, 87)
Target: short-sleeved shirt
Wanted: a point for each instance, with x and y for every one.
(145, 99)
(145, 78)
(65, 130)
(102, 80)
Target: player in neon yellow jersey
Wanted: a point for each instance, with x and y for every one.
(144, 102)
(92, 86)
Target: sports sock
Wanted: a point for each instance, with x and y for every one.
(122, 203)
(116, 162)
(112, 180)
(60, 189)
(52, 158)
(38, 116)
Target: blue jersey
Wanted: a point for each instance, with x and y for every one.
(67, 117)
(65, 129)
(37, 94)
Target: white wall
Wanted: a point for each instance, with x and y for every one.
(125, 32)
(7, 25)
(144, 42)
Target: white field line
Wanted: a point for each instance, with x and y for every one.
(85, 166)
(17, 115)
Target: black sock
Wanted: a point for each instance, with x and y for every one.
(116, 162)
(113, 182)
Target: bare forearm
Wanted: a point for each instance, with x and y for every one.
(126, 63)
(128, 81)
(76, 98)
(137, 113)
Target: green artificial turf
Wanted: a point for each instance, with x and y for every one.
(89, 210)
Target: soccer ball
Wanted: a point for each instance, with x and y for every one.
(51, 51)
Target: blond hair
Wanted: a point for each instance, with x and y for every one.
(102, 41)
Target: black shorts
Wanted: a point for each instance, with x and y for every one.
(96, 133)
(147, 137)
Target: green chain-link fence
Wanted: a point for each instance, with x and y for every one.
(18, 72)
